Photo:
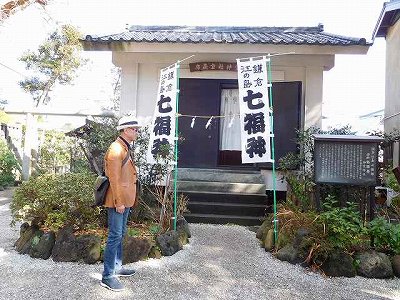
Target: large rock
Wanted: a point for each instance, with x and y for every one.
(396, 265)
(183, 237)
(263, 230)
(339, 264)
(289, 254)
(169, 243)
(183, 225)
(301, 234)
(155, 252)
(65, 246)
(374, 264)
(42, 247)
(23, 228)
(303, 245)
(88, 246)
(135, 249)
(69, 247)
(269, 240)
(24, 243)
(283, 239)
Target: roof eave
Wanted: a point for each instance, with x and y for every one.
(389, 10)
(152, 47)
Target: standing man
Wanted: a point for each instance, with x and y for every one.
(120, 197)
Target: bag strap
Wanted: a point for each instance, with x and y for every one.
(126, 158)
(123, 162)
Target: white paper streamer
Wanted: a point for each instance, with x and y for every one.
(209, 122)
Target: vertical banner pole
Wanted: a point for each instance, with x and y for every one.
(272, 149)
(176, 143)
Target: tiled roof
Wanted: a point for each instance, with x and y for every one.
(229, 35)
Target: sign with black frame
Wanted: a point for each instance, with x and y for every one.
(346, 159)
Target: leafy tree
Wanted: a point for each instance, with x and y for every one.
(8, 165)
(57, 60)
(54, 151)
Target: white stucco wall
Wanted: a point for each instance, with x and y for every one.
(392, 90)
(140, 75)
(313, 97)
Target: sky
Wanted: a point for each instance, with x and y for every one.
(354, 87)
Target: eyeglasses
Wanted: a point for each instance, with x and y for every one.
(133, 128)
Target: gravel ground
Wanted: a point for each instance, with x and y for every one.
(221, 262)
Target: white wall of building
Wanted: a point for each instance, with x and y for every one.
(140, 75)
(392, 97)
(391, 119)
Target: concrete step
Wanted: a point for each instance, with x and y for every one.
(231, 198)
(220, 175)
(223, 208)
(222, 187)
(223, 219)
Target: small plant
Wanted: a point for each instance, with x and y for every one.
(133, 232)
(154, 229)
(386, 236)
(343, 224)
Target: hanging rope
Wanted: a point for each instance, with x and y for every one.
(211, 116)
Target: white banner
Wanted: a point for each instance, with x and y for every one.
(163, 125)
(255, 113)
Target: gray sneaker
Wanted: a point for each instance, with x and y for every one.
(125, 272)
(112, 283)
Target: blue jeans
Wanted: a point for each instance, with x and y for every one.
(113, 251)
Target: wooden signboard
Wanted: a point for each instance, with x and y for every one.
(212, 66)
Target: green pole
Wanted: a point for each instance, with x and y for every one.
(272, 149)
(176, 141)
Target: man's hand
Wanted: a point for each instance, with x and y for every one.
(120, 209)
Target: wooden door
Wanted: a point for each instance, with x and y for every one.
(198, 97)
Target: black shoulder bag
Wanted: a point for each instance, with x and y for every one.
(101, 186)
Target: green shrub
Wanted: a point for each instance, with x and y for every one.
(343, 224)
(386, 235)
(54, 201)
(8, 165)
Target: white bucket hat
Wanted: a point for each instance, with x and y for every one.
(128, 121)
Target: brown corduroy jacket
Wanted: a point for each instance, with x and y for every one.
(122, 190)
